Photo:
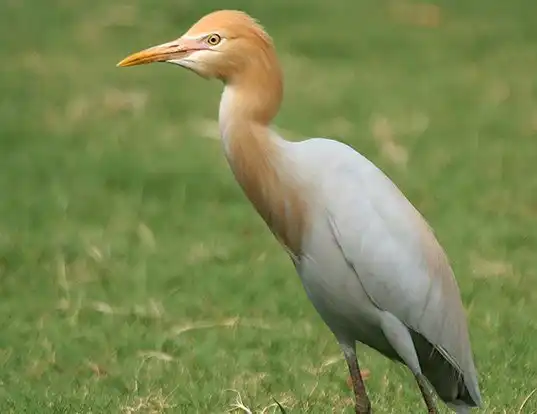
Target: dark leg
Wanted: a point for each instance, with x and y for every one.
(364, 373)
(363, 406)
(426, 393)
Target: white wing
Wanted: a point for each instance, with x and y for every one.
(393, 251)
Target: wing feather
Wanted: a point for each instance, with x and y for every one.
(398, 260)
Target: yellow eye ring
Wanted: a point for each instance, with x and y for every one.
(213, 39)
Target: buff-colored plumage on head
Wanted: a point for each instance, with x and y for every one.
(243, 45)
(231, 46)
(232, 23)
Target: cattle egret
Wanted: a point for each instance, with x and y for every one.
(367, 259)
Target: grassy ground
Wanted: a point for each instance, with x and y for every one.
(135, 277)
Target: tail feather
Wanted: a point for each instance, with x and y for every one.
(459, 407)
(448, 382)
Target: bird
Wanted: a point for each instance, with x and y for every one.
(369, 262)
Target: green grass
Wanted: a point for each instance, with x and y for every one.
(136, 278)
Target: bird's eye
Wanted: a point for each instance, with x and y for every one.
(213, 39)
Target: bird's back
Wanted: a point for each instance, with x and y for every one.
(396, 258)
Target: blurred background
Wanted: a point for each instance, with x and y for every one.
(136, 278)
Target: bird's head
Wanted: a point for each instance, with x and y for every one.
(224, 44)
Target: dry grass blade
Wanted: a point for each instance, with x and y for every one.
(154, 403)
(238, 404)
(161, 356)
(525, 401)
(226, 323)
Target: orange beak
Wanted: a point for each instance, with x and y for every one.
(176, 49)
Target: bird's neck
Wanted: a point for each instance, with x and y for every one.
(251, 99)
(258, 157)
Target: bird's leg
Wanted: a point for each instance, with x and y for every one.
(426, 393)
(363, 405)
(364, 373)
